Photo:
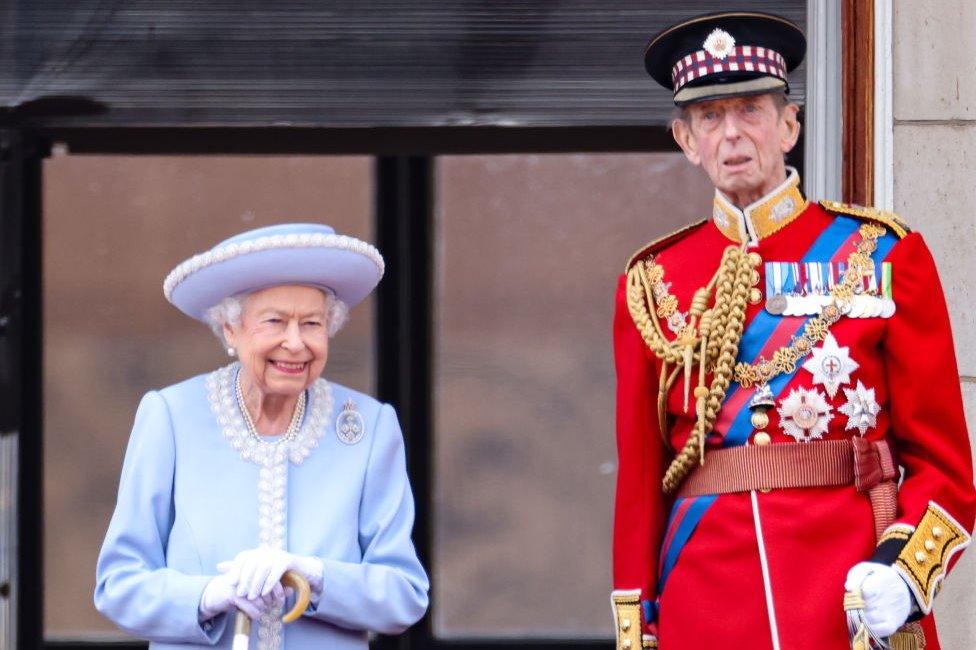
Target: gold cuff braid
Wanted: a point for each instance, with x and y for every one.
(925, 557)
(627, 619)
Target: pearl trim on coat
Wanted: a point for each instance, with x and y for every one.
(272, 457)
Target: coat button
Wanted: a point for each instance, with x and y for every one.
(625, 624)
(920, 557)
(759, 419)
(761, 439)
(929, 545)
(937, 532)
(626, 644)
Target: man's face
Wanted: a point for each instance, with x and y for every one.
(740, 143)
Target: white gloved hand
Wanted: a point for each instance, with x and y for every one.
(887, 600)
(220, 595)
(256, 572)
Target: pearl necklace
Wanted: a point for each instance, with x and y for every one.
(293, 426)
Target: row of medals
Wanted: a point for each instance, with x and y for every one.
(813, 283)
(860, 306)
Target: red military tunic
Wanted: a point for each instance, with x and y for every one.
(767, 568)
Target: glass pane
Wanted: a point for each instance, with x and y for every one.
(529, 251)
(114, 226)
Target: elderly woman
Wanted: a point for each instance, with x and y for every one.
(234, 477)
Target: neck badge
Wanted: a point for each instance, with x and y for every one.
(861, 408)
(831, 365)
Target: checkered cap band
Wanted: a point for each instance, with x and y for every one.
(748, 58)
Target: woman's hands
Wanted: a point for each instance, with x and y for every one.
(220, 595)
(257, 572)
(251, 582)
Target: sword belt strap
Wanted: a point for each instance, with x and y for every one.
(869, 466)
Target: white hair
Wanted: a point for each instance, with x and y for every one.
(229, 311)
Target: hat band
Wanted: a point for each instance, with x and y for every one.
(741, 58)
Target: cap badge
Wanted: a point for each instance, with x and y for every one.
(350, 426)
(719, 44)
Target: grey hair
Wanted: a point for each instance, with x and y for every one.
(229, 311)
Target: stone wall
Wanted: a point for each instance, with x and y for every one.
(934, 158)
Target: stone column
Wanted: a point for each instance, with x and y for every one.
(935, 191)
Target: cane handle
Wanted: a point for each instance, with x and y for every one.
(303, 592)
(242, 624)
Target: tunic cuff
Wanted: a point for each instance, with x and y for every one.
(921, 554)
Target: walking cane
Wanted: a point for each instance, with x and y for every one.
(242, 624)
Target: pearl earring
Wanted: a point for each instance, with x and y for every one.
(231, 352)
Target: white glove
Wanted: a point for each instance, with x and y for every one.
(887, 600)
(220, 595)
(256, 572)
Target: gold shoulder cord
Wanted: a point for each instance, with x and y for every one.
(885, 217)
(715, 332)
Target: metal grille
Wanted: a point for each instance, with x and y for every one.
(343, 63)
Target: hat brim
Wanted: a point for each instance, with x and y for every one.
(349, 274)
(754, 86)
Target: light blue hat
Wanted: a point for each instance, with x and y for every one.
(293, 253)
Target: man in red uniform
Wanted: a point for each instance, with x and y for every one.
(794, 466)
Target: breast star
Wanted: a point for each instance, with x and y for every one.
(831, 365)
(805, 414)
(861, 408)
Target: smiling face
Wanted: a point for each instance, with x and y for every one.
(740, 143)
(282, 340)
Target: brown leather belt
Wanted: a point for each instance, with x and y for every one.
(869, 466)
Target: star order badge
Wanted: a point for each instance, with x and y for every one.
(350, 426)
(804, 415)
(861, 408)
(719, 44)
(831, 365)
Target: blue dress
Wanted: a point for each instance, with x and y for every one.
(197, 488)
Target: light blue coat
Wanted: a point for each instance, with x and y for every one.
(187, 501)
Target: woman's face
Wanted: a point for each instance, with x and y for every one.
(283, 339)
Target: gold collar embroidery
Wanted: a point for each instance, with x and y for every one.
(762, 218)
